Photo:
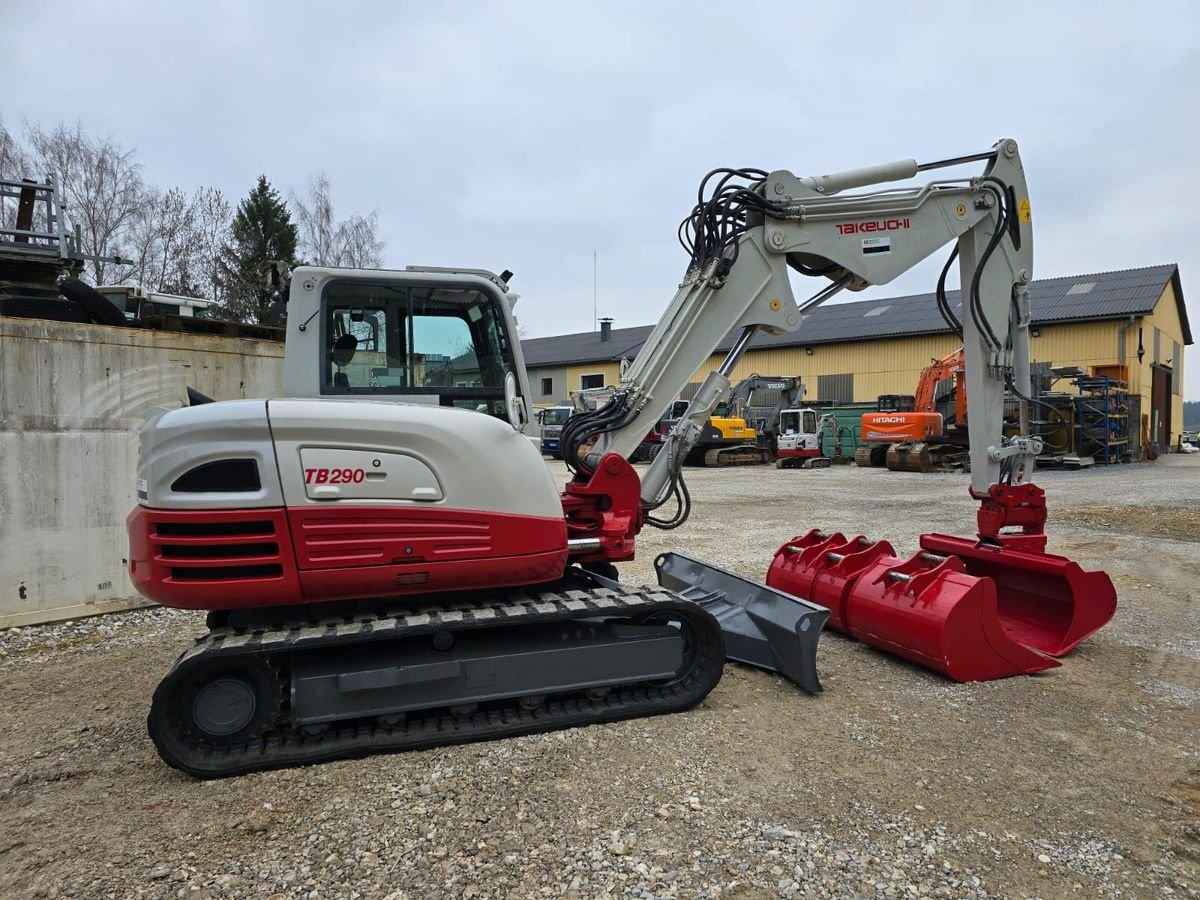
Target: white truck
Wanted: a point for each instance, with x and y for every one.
(139, 303)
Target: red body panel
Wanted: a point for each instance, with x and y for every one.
(798, 454)
(228, 559)
(203, 559)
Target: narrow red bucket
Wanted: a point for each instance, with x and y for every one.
(929, 610)
(1044, 601)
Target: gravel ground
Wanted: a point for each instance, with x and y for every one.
(1081, 781)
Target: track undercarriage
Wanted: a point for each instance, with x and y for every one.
(295, 686)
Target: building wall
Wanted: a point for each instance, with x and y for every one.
(894, 365)
(1162, 337)
(610, 370)
(558, 386)
(72, 401)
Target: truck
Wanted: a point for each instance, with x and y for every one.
(552, 419)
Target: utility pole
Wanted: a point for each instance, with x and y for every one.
(595, 317)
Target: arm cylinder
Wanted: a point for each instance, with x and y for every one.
(852, 178)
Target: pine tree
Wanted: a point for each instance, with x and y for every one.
(262, 232)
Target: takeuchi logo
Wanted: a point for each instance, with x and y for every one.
(874, 226)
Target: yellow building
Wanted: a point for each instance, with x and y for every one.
(1130, 325)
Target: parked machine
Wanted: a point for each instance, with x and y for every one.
(386, 575)
(552, 419)
(800, 438)
(910, 434)
(725, 439)
(41, 260)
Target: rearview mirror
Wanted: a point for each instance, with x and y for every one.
(514, 403)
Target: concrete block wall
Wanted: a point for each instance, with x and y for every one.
(72, 401)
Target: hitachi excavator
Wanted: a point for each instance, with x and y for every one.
(387, 575)
(919, 438)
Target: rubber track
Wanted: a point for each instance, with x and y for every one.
(435, 728)
(719, 457)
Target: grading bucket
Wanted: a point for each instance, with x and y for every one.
(1043, 601)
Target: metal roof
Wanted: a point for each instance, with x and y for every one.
(584, 347)
(1077, 298)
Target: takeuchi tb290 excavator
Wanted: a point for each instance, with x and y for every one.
(386, 575)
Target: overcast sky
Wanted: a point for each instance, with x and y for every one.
(530, 135)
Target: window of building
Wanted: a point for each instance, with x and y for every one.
(836, 388)
(587, 382)
(547, 387)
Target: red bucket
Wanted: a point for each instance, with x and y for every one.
(822, 568)
(1044, 601)
(929, 610)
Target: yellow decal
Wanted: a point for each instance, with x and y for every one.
(960, 210)
(1023, 209)
(775, 305)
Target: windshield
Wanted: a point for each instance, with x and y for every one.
(396, 340)
(789, 422)
(556, 416)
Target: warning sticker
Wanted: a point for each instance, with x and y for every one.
(1023, 209)
(876, 245)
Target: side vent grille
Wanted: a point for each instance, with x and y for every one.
(219, 550)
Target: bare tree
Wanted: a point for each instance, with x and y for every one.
(212, 218)
(177, 240)
(103, 190)
(327, 242)
(15, 165)
(158, 240)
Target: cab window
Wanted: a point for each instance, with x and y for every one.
(391, 340)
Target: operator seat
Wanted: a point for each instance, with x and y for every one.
(343, 352)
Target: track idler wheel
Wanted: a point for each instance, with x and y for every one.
(223, 705)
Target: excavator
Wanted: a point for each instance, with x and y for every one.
(801, 436)
(388, 564)
(913, 436)
(788, 434)
(726, 439)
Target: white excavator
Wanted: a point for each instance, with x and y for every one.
(386, 575)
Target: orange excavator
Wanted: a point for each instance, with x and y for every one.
(909, 434)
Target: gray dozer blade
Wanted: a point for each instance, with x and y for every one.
(763, 627)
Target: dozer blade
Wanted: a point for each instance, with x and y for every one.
(1043, 601)
(763, 627)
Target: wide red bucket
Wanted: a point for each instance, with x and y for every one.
(929, 610)
(1043, 601)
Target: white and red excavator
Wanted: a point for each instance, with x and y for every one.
(388, 563)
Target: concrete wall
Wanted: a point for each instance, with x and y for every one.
(72, 401)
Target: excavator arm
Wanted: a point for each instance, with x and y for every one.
(933, 375)
(752, 227)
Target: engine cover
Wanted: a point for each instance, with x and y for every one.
(259, 502)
